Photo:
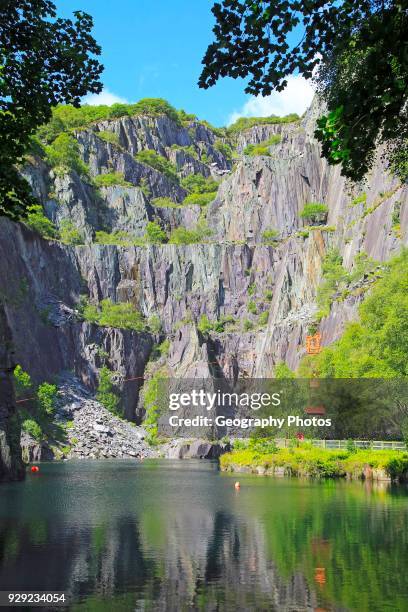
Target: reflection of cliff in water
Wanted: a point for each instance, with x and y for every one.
(126, 536)
(226, 567)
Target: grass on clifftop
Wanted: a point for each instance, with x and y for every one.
(66, 118)
(316, 462)
(244, 123)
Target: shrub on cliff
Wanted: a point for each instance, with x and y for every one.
(244, 123)
(32, 428)
(189, 150)
(118, 238)
(38, 222)
(109, 137)
(69, 233)
(154, 107)
(154, 404)
(335, 278)
(158, 162)
(110, 179)
(204, 324)
(154, 324)
(46, 398)
(224, 323)
(197, 183)
(37, 413)
(22, 381)
(181, 235)
(282, 370)
(263, 318)
(199, 199)
(263, 147)
(106, 393)
(64, 155)
(155, 234)
(164, 203)
(224, 148)
(252, 307)
(269, 236)
(315, 212)
(122, 315)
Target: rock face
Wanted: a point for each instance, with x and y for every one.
(11, 467)
(34, 451)
(233, 276)
(195, 449)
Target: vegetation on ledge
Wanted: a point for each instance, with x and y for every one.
(108, 314)
(315, 212)
(118, 238)
(109, 137)
(158, 162)
(64, 155)
(121, 315)
(110, 179)
(244, 123)
(263, 147)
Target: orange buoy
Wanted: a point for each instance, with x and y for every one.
(35, 468)
(237, 486)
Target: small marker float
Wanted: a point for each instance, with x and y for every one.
(237, 486)
(35, 469)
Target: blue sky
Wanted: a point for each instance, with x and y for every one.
(154, 49)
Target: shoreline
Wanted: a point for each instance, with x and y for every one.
(378, 465)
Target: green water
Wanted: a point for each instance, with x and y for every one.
(163, 535)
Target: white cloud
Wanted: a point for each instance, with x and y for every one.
(105, 97)
(295, 98)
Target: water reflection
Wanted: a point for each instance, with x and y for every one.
(161, 536)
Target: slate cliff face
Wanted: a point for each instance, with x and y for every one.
(41, 282)
(11, 467)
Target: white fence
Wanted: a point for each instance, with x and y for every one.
(342, 444)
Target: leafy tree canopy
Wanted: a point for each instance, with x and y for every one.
(44, 61)
(359, 50)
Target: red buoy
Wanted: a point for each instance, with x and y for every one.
(35, 468)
